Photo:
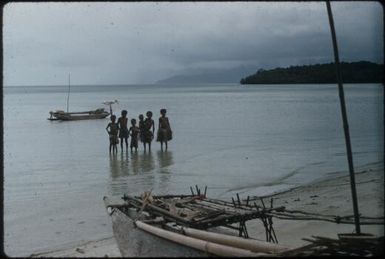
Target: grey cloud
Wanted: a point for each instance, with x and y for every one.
(144, 42)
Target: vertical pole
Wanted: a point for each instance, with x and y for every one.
(111, 109)
(69, 88)
(345, 120)
(239, 200)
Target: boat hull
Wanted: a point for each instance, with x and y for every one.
(134, 242)
(68, 116)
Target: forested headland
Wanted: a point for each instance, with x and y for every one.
(354, 72)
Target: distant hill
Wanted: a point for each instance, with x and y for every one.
(210, 76)
(355, 72)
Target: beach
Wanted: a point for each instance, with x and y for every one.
(331, 196)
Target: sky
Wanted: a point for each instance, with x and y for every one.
(143, 42)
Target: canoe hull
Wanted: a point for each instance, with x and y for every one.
(70, 116)
(134, 242)
(81, 117)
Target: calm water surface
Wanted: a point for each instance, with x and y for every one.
(251, 140)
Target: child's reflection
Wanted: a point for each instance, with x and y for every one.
(142, 162)
(147, 161)
(119, 167)
(164, 158)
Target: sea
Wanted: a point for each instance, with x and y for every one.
(247, 139)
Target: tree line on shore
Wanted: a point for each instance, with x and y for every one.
(354, 72)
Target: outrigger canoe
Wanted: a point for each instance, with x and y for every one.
(181, 226)
(86, 115)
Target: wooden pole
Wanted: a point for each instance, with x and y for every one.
(345, 120)
(163, 212)
(69, 88)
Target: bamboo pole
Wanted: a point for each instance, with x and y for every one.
(209, 247)
(249, 244)
(345, 120)
(163, 212)
(170, 196)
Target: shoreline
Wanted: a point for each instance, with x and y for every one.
(327, 196)
(329, 177)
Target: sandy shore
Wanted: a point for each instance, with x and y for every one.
(332, 196)
(99, 248)
(328, 197)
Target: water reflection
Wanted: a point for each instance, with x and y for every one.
(135, 164)
(146, 161)
(133, 172)
(119, 167)
(164, 161)
(165, 158)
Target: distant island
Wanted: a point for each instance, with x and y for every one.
(217, 75)
(355, 72)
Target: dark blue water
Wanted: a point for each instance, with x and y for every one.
(249, 139)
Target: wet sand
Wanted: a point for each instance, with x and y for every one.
(98, 248)
(332, 196)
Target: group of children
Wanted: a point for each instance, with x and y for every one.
(145, 131)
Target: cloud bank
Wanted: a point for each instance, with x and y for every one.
(142, 42)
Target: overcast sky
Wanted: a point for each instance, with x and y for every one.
(129, 43)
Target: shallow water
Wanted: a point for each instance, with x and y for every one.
(251, 140)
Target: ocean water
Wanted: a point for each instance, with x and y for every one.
(249, 139)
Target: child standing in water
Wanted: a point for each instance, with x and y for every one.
(164, 129)
(113, 129)
(134, 135)
(148, 134)
(142, 130)
(123, 130)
